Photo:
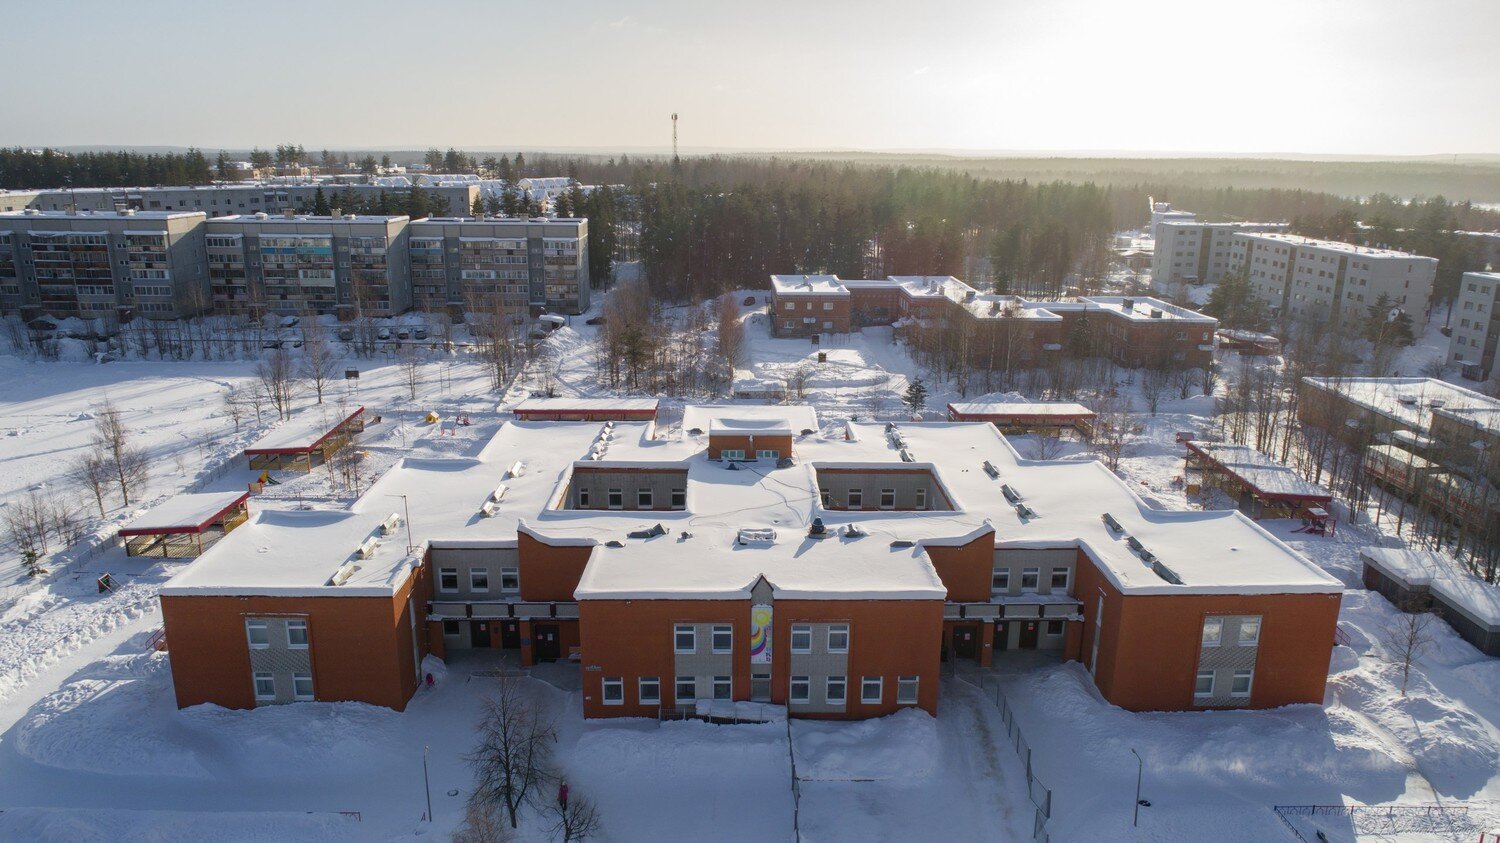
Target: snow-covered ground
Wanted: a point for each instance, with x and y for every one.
(92, 746)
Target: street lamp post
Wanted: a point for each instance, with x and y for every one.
(410, 545)
(1140, 767)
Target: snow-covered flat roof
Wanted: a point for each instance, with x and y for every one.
(1331, 245)
(541, 405)
(303, 431)
(750, 418)
(521, 477)
(808, 285)
(1413, 401)
(1474, 597)
(183, 513)
(1145, 309)
(1265, 474)
(1021, 408)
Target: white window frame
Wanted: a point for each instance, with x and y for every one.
(998, 574)
(583, 498)
(855, 499)
(1036, 580)
(512, 572)
(442, 572)
(713, 639)
(791, 694)
(922, 498)
(643, 499)
(296, 623)
(842, 684)
(727, 683)
(732, 454)
(612, 496)
(1249, 676)
(805, 631)
(679, 498)
(865, 683)
(653, 683)
(1252, 640)
(887, 494)
(299, 696)
(678, 630)
(1217, 625)
(617, 683)
(767, 455)
(691, 682)
(838, 629)
(479, 580)
(1067, 579)
(255, 679)
(252, 624)
(1198, 680)
(908, 689)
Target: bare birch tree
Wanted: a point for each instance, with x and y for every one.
(128, 465)
(92, 472)
(1407, 638)
(318, 363)
(515, 746)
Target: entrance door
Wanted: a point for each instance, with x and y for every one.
(1029, 634)
(510, 635)
(966, 641)
(479, 633)
(1002, 635)
(546, 643)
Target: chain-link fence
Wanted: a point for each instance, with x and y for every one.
(1040, 794)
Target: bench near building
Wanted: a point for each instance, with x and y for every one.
(186, 525)
(831, 575)
(304, 441)
(1261, 487)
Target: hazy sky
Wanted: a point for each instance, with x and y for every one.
(1305, 76)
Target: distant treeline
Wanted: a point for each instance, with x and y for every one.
(47, 168)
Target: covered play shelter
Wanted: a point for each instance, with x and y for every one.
(186, 525)
(1019, 417)
(586, 409)
(304, 441)
(1262, 487)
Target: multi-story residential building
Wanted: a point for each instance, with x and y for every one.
(347, 265)
(1327, 281)
(1475, 344)
(1162, 212)
(103, 265)
(851, 566)
(1189, 252)
(1004, 330)
(219, 200)
(518, 264)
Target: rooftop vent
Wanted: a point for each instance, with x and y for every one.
(649, 533)
(367, 548)
(1010, 494)
(784, 462)
(1135, 544)
(1156, 313)
(1128, 304)
(390, 524)
(517, 469)
(807, 431)
(817, 530)
(1166, 573)
(488, 509)
(499, 493)
(1025, 511)
(697, 431)
(990, 469)
(756, 535)
(1109, 521)
(343, 574)
(853, 531)
(614, 543)
(906, 456)
(898, 543)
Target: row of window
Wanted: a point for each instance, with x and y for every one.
(799, 689)
(1239, 683)
(1213, 632)
(685, 638)
(733, 454)
(855, 498)
(644, 498)
(265, 686)
(1030, 577)
(479, 579)
(258, 630)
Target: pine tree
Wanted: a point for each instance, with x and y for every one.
(320, 203)
(915, 397)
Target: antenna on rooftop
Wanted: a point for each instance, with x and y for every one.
(674, 138)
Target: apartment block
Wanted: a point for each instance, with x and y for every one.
(1328, 281)
(1189, 252)
(463, 263)
(853, 563)
(293, 265)
(113, 266)
(1004, 331)
(220, 200)
(1475, 321)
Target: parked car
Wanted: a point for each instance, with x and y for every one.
(749, 301)
(403, 334)
(420, 333)
(346, 334)
(271, 344)
(597, 320)
(385, 334)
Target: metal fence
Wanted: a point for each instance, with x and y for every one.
(1382, 819)
(1040, 794)
(791, 752)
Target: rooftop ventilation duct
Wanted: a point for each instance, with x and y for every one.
(1010, 494)
(1109, 521)
(756, 535)
(367, 548)
(990, 469)
(390, 524)
(649, 533)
